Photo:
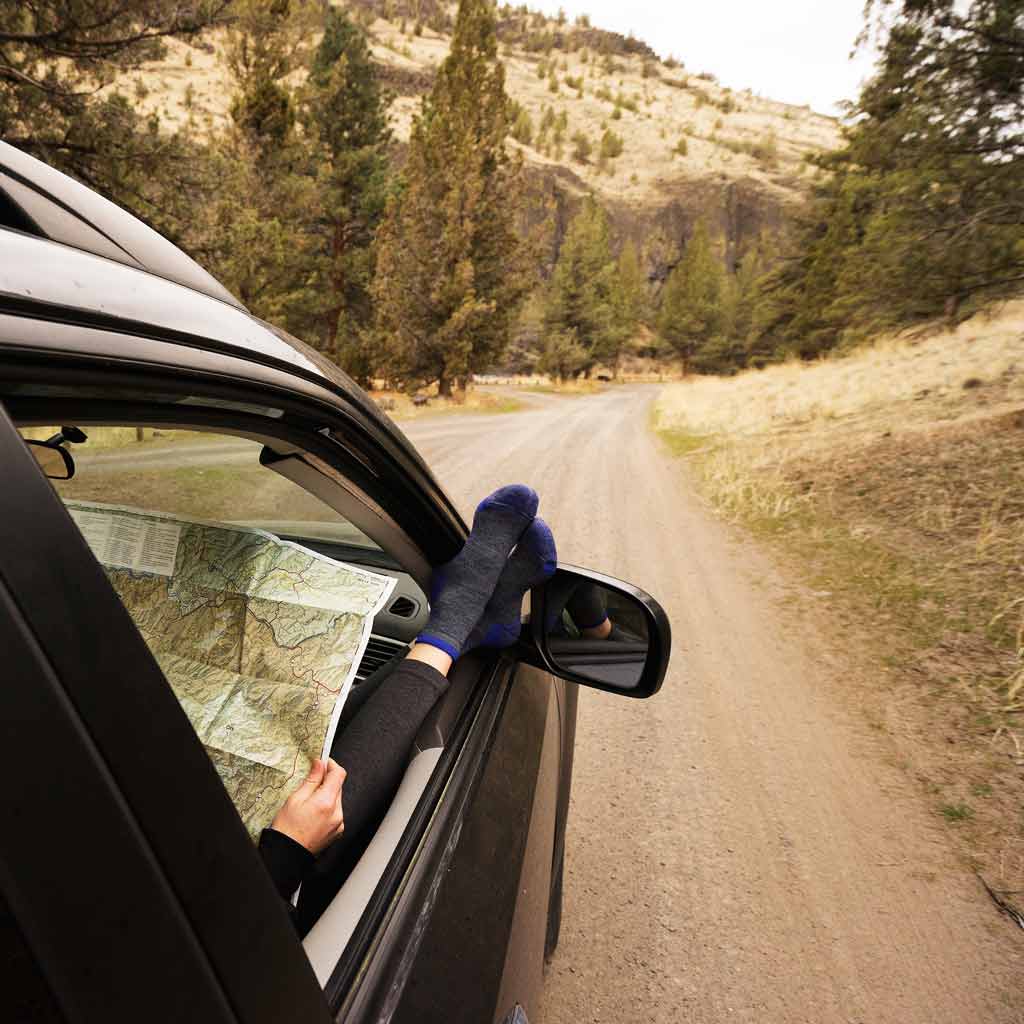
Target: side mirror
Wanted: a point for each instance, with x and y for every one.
(54, 460)
(600, 632)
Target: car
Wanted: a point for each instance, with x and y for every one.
(130, 888)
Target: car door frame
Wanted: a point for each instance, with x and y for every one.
(344, 439)
(203, 868)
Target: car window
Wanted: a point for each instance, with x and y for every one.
(196, 475)
(259, 634)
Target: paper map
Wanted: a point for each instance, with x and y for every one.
(259, 638)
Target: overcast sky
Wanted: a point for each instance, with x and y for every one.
(792, 50)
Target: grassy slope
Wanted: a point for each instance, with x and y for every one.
(194, 83)
(896, 477)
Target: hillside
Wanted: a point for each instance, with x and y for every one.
(690, 148)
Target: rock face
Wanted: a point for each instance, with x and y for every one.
(738, 213)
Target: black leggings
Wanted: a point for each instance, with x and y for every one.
(376, 731)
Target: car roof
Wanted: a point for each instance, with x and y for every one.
(96, 265)
(41, 201)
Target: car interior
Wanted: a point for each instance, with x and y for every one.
(239, 478)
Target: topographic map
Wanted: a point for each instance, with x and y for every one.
(259, 638)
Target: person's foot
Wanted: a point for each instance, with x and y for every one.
(461, 589)
(533, 561)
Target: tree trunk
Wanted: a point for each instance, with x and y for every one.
(444, 387)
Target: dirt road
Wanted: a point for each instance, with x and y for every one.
(740, 848)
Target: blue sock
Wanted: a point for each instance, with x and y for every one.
(533, 561)
(460, 590)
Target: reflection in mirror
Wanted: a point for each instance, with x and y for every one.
(599, 632)
(53, 460)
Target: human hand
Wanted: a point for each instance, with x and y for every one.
(312, 815)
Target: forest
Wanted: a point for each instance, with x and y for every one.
(423, 263)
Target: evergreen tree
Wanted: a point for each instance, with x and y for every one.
(60, 102)
(922, 211)
(263, 218)
(346, 123)
(691, 313)
(582, 307)
(630, 292)
(452, 271)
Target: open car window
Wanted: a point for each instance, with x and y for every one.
(196, 475)
(259, 635)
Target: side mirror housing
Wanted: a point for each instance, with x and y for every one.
(598, 631)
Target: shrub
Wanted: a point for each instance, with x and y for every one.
(553, 83)
(682, 147)
(522, 127)
(611, 145)
(766, 150)
(617, 114)
(581, 148)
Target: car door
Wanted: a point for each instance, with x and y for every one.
(371, 969)
(124, 867)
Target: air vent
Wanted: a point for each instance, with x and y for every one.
(379, 651)
(404, 607)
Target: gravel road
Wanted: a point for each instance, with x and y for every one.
(741, 847)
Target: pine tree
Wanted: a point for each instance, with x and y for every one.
(630, 292)
(922, 211)
(452, 271)
(344, 114)
(582, 291)
(690, 315)
(61, 101)
(262, 222)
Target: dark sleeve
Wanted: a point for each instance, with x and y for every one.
(586, 606)
(374, 749)
(288, 862)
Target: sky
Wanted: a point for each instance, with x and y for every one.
(796, 51)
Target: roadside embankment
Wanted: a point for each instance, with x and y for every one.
(895, 478)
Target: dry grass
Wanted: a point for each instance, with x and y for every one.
(663, 113)
(399, 406)
(193, 83)
(896, 475)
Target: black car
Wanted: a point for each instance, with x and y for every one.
(129, 888)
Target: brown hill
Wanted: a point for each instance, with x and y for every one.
(690, 148)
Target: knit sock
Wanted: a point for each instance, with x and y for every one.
(460, 589)
(533, 561)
